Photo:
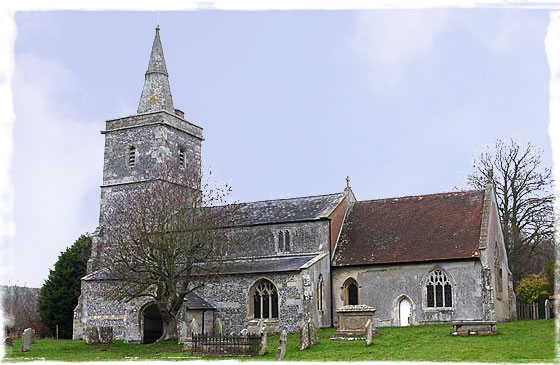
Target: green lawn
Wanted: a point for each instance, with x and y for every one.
(521, 341)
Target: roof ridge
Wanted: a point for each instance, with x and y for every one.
(299, 197)
(423, 195)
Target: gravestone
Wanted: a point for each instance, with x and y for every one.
(105, 335)
(194, 328)
(244, 332)
(33, 335)
(369, 332)
(313, 338)
(92, 336)
(282, 346)
(260, 325)
(218, 327)
(26, 339)
(263, 347)
(303, 336)
(8, 342)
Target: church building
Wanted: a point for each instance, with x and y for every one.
(417, 260)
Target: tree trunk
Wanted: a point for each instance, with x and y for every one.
(169, 326)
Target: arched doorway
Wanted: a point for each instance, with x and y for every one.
(405, 312)
(153, 325)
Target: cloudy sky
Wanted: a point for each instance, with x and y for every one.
(291, 103)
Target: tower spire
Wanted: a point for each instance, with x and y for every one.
(156, 94)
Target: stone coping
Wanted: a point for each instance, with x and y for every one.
(467, 322)
(356, 308)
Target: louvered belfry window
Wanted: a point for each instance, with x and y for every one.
(438, 290)
(182, 158)
(132, 156)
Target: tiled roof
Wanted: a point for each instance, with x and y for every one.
(195, 301)
(284, 210)
(411, 229)
(263, 265)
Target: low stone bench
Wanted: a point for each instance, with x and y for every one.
(474, 328)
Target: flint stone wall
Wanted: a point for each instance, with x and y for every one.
(255, 241)
(230, 295)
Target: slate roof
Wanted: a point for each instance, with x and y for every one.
(264, 265)
(412, 229)
(195, 301)
(284, 210)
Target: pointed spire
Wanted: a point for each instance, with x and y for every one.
(156, 94)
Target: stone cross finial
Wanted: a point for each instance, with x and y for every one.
(347, 182)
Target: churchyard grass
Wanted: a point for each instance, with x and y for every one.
(521, 341)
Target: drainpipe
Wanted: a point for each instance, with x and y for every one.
(203, 321)
(331, 275)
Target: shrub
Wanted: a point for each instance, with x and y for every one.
(532, 287)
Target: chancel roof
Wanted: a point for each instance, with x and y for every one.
(411, 229)
(284, 210)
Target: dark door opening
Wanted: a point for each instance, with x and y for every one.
(153, 325)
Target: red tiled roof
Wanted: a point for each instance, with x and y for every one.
(411, 229)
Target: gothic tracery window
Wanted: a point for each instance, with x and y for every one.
(265, 300)
(438, 290)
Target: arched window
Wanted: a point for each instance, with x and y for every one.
(438, 290)
(280, 241)
(498, 269)
(131, 156)
(320, 286)
(287, 241)
(350, 289)
(265, 299)
(182, 158)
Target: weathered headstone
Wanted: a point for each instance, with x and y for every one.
(92, 336)
(105, 335)
(26, 339)
(282, 346)
(8, 341)
(303, 336)
(313, 338)
(260, 325)
(218, 327)
(194, 328)
(244, 332)
(263, 346)
(33, 335)
(369, 332)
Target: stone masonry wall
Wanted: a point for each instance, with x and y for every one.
(257, 241)
(382, 286)
(230, 295)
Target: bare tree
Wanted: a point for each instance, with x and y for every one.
(164, 242)
(524, 196)
(19, 306)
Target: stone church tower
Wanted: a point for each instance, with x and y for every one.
(156, 143)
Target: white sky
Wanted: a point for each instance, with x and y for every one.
(291, 103)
